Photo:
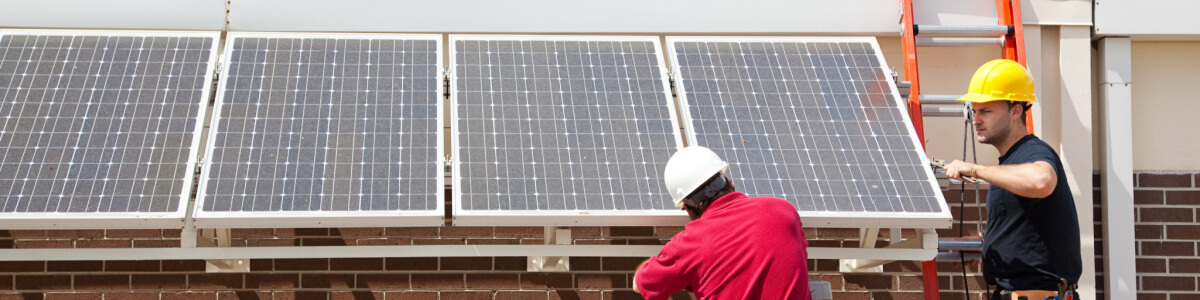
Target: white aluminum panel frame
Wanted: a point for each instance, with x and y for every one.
(124, 220)
(299, 219)
(833, 219)
(461, 217)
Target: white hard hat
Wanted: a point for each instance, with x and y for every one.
(688, 168)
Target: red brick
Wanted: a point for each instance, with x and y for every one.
(357, 264)
(457, 231)
(1150, 265)
(492, 281)
(520, 231)
(1148, 197)
(183, 266)
(585, 232)
(21, 296)
(23, 233)
(302, 231)
(1183, 232)
(272, 242)
(72, 296)
(826, 265)
(89, 233)
(172, 233)
(411, 263)
(869, 282)
(188, 296)
(327, 242)
(327, 281)
(902, 266)
(466, 263)
(588, 295)
(1148, 214)
(43, 282)
(44, 244)
(1151, 296)
(104, 244)
(1168, 248)
(545, 280)
(601, 281)
(835, 280)
(622, 263)
(1148, 232)
(101, 282)
(974, 282)
(491, 241)
(384, 242)
(412, 231)
(307, 264)
(214, 281)
(75, 266)
(1180, 266)
(631, 231)
(834, 233)
(1167, 283)
(130, 296)
(359, 232)
(898, 296)
(132, 266)
(437, 281)
(411, 295)
(7, 244)
(6, 282)
(262, 265)
(382, 281)
(520, 295)
(297, 295)
(272, 281)
(1164, 180)
(355, 295)
(910, 283)
(156, 244)
(124, 233)
(516, 264)
(450, 241)
(1183, 197)
(252, 232)
(667, 231)
(159, 282)
(1184, 297)
(22, 266)
(466, 295)
(853, 295)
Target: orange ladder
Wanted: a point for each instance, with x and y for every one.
(1007, 34)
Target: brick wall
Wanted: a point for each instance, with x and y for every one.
(414, 278)
(1166, 233)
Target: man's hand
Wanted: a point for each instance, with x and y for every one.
(973, 262)
(637, 289)
(957, 169)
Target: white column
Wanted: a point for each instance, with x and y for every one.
(1116, 96)
(1075, 125)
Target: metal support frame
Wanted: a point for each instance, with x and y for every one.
(554, 236)
(927, 239)
(220, 238)
(1116, 197)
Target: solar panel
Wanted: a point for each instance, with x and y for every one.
(561, 131)
(100, 128)
(326, 130)
(815, 121)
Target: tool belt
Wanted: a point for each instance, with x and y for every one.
(1066, 291)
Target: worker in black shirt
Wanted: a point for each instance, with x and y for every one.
(1031, 244)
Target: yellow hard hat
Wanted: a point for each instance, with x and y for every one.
(1000, 79)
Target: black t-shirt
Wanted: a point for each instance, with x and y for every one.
(1030, 243)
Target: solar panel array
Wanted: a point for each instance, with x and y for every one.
(100, 124)
(816, 122)
(326, 125)
(560, 126)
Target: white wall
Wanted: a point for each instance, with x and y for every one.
(1165, 106)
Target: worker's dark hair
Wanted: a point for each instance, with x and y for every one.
(712, 189)
(1024, 108)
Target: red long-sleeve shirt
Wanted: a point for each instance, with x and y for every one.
(741, 248)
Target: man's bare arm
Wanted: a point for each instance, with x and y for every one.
(1032, 180)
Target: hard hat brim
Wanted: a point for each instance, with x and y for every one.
(977, 98)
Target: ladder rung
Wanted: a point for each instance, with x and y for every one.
(941, 99)
(962, 30)
(936, 111)
(959, 42)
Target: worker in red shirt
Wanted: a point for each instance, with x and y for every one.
(735, 247)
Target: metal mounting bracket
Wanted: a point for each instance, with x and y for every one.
(554, 236)
(926, 239)
(220, 238)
